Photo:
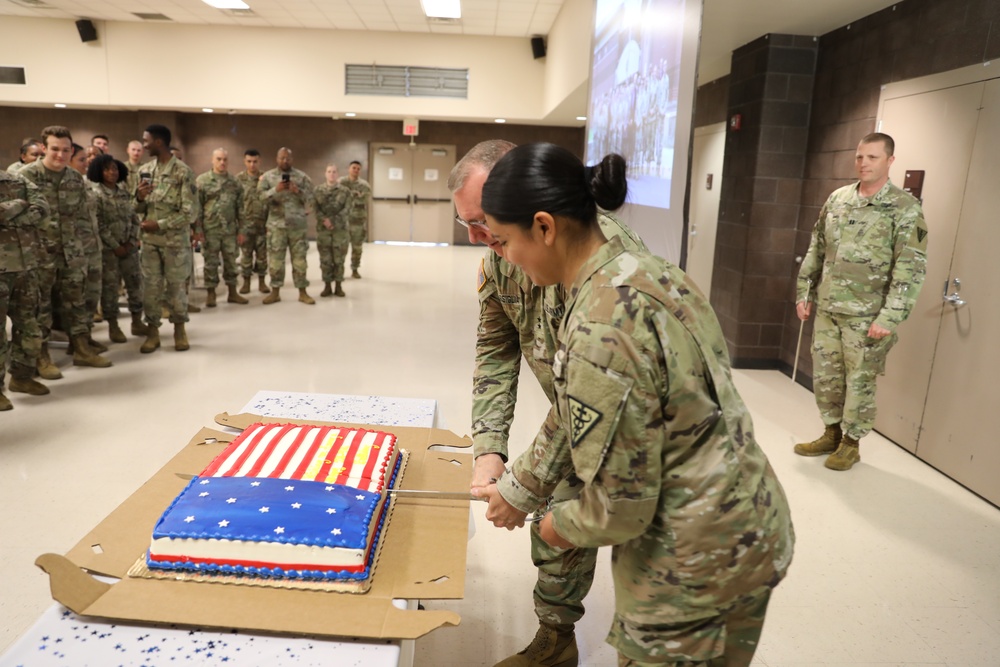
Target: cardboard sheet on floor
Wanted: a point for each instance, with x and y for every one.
(424, 555)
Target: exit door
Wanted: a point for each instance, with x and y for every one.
(410, 198)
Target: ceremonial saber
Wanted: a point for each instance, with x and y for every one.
(798, 348)
(433, 495)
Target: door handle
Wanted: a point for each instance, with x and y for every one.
(954, 299)
(415, 199)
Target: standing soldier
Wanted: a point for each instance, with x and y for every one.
(287, 192)
(133, 164)
(332, 237)
(22, 210)
(254, 232)
(31, 150)
(64, 271)
(357, 215)
(167, 203)
(90, 235)
(221, 198)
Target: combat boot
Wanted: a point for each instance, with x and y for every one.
(28, 385)
(5, 403)
(46, 369)
(553, 646)
(84, 356)
(847, 454)
(209, 298)
(327, 291)
(338, 291)
(305, 298)
(115, 332)
(234, 297)
(99, 348)
(273, 297)
(138, 326)
(180, 338)
(262, 286)
(152, 340)
(824, 444)
(193, 308)
(245, 287)
(355, 274)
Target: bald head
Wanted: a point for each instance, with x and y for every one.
(284, 159)
(220, 160)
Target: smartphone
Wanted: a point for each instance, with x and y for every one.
(145, 177)
(286, 177)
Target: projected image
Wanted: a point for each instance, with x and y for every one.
(633, 95)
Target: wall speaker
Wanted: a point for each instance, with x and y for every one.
(88, 33)
(538, 47)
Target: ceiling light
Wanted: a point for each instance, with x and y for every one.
(60, 105)
(581, 118)
(207, 110)
(499, 120)
(227, 4)
(350, 114)
(442, 9)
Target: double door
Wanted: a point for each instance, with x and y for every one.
(410, 198)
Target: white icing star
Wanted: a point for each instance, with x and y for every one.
(204, 481)
(188, 519)
(203, 494)
(223, 523)
(289, 488)
(359, 497)
(296, 505)
(265, 510)
(329, 488)
(279, 530)
(254, 483)
(335, 531)
(331, 511)
(231, 500)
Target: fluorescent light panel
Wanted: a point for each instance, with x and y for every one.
(227, 4)
(442, 9)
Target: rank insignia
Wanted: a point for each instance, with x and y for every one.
(582, 419)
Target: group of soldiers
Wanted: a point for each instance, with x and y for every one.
(76, 224)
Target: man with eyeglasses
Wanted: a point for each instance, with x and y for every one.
(518, 318)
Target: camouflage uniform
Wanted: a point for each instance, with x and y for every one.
(866, 263)
(132, 181)
(331, 203)
(221, 200)
(286, 225)
(166, 254)
(22, 211)
(90, 234)
(254, 216)
(672, 476)
(63, 272)
(357, 216)
(119, 228)
(518, 318)
(16, 167)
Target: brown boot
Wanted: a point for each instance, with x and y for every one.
(209, 298)
(99, 348)
(46, 369)
(193, 308)
(5, 403)
(152, 340)
(553, 646)
(180, 338)
(273, 297)
(115, 332)
(305, 298)
(234, 297)
(355, 274)
(327, 291)
(138, 326)
(847, 454)
(28, 385)
(824, 444)
(262, 285)
(338, 291)
(84, 356)
(245, 287)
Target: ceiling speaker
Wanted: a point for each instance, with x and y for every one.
(88, 33)
(538, 47)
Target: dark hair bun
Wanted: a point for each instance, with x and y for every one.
(607, 182)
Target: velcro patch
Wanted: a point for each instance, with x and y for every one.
(582, 419)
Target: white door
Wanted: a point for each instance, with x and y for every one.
(707, 153)
(410, 198)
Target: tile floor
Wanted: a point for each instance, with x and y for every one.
(895, 564)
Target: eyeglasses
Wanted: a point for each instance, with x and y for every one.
(471, 223)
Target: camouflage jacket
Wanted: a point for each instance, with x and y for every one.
(331, 204)
(286, 208)
(116, 218)
(672, 475)
(357, 201)
(88, 230)
(867, 256)
(173, 203)
(518, 318)
(23, 210)
(221, 199)
(66, 194)
(254, 212)
(132, 182)
(16, 167)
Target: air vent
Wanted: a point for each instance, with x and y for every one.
(152, 17)
(440, 20)
(12, 75)
(32, 4)
(405, 81)
(241, 13)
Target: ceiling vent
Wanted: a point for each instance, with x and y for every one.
(406, 81)
(12, 75)
(440, 20)
(152, 17)
(241, 13)
(32, 4)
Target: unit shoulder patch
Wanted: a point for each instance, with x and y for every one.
(582, 419)
(481, 275)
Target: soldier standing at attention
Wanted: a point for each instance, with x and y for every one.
(516, 319)
(167, 202)
(332, 237)
(22, 210)
(90, 235)
(865, 265)
(64, 270)
(254, 242)
(133, 164)
(288, 192)
(31, 150)
(672, 477)
(221, 198)
(357, 216)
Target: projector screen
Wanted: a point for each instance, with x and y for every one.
(642, 85)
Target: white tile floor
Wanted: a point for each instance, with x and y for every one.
(895, 564)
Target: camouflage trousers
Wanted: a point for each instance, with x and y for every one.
(846, 363)
(62, 287)
(728, 639)
(359, 234)
(115, 270)
(254, 257)
(332, 245)
(165, 270)
(564, 575)
(19, 302)
(222, 241)
(294, 241)
(92, 284)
